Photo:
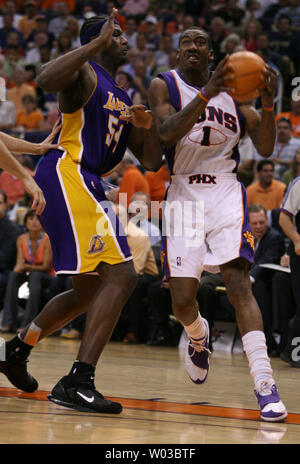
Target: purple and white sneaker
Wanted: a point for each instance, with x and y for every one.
(271, 407)
(197, 357)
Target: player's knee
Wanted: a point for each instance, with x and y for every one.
(182, 303)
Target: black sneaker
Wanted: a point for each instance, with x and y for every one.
(286, 356)
(15, 370)
(83, 397)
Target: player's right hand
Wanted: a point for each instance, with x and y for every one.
(219, 79)
(34, 190)
(106, 34)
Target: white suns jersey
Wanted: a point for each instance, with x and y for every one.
(211, 146)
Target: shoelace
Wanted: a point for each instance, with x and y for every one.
(265, 389)
(198, 347)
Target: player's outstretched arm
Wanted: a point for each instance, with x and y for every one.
(11, 165)
(61, 72)
(20, 146)
(257, 125)
(172, 125)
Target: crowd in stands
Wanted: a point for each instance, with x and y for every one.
(32, 32)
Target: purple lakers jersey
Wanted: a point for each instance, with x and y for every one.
(94, 135)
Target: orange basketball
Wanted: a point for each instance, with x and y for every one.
(247, 70)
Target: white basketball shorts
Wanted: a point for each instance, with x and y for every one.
(205, 224)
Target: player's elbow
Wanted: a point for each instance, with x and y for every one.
(44, 81)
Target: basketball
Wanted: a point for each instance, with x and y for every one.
(247, 70)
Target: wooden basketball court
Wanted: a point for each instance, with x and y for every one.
(161, 404)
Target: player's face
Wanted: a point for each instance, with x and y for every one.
(194, 51)
(119, 46)
(258, 224)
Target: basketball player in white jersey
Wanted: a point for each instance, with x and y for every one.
(200, 125)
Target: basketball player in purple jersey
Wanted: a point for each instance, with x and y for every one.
(92, 140)
(200, 126)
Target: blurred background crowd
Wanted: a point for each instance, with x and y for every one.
(32, 32)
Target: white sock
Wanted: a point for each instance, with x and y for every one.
(196, 330)
(255, 347)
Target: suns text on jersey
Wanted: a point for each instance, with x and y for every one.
(217, 114)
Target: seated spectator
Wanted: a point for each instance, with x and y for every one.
(293, 116)
(7, 28)
(12, 63)
(124, 79)
(133, 324)
(284, 41)
(292, 11)
(263, 45)
(231, 44)
(217, 33)
(11, 8)
(14, 40)
(294, 170)
(9, 231)
(138, 212)
(7, 115)
(13, 187)
(162, 54)
(132, 56)
(28, 23)
(45, 55)
(41, 25)
(252, 28)
(16, 93)
(34, 264)
(30, 75)
(141, 80)
(152, 36)
(267, 191)
(57, 25)
(132, 179)
(285, 147)
(31, 118)
(131, 31)
(73, 28)
(63, 44)
(33, 54)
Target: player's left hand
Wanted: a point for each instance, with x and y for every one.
(138, 116)
(47, 144)
(269, 80)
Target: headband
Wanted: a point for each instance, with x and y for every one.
(93, 30)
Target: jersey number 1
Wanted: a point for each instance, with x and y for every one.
(206, 135)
